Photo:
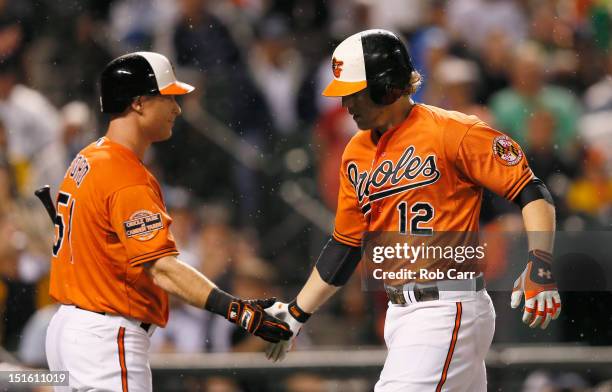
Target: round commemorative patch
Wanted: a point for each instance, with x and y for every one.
(507, 151)
(143, 225)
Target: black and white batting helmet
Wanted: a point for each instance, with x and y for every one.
(136, 74)
(374, 59)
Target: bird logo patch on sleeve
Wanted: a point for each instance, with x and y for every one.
(143, 225)
(507, 151)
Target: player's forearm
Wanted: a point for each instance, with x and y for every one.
(315, 293)
(334, 267)
(539, 219)
(182, 280)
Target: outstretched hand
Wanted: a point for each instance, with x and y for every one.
(277, 351)
(542, 300)
(251, 315)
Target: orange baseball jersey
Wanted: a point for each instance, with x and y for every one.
(426, 175)
(110, 220)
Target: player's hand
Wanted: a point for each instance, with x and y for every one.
(251, 315)
(277, 351)
(542, 300)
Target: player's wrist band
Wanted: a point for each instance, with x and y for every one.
(540, 255)
(298, 313)
(219, 302)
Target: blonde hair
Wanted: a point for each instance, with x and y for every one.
(415, 82)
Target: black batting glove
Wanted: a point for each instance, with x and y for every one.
(249, 315)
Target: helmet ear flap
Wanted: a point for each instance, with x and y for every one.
(117, 105)
(383, 93)
(378, 92)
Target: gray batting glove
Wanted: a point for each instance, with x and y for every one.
(277, 351)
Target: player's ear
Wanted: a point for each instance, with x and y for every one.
(137, 105)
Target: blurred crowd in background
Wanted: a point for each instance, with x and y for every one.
(250, 175)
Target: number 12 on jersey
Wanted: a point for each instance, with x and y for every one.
(421, 212)
(63, 227)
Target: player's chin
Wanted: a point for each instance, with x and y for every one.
(164, 134)
(362, 123)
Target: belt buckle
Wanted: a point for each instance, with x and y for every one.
(396, 295)
(424, 293)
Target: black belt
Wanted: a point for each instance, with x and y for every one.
(145, 326)
(431, 291)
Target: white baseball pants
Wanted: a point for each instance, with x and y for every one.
(100, 352)
(438, 345)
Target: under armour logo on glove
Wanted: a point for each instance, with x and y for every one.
(544, 273)
(542, 300)
(234, 310)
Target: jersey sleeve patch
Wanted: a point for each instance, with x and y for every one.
(143, 225)
(507, 151)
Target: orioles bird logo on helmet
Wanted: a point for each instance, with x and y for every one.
(337, 67)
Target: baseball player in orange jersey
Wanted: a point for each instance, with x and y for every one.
(419, 169)
(114, 257)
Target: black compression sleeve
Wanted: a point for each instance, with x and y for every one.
(533, 191)
(218, 301)
(337, 262)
